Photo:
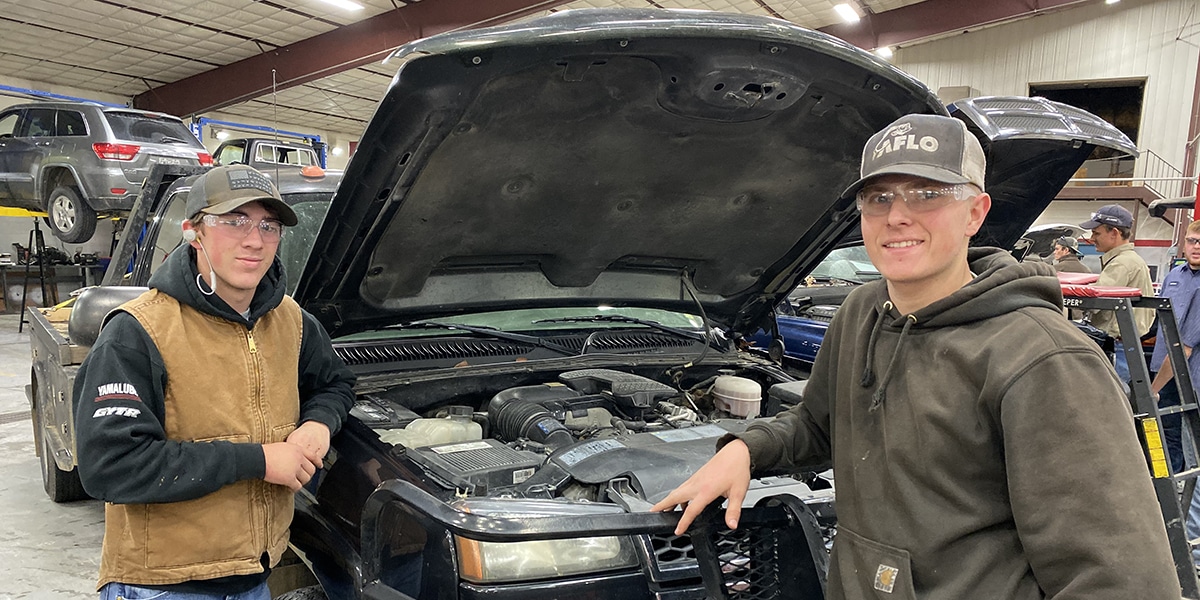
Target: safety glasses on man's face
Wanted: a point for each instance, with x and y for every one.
(240, 226)
(878, 201)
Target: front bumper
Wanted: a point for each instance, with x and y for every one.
(777, 551)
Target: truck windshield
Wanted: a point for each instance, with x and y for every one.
(297, 242)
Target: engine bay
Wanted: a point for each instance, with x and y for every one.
(594, 435)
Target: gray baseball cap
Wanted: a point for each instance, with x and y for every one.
(223, 189)
(1069, 243)
(930, 146)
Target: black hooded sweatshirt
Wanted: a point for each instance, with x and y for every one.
(120, 456)
(982, 448)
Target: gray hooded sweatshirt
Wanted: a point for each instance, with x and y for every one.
(982, 448)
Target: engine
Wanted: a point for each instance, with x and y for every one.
(592, 434)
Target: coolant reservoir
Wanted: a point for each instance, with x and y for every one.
(738, 396)
(431, 432)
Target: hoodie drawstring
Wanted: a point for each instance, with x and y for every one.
(868, 376)
(881, 392)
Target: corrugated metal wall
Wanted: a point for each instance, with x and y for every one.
(1131, 39)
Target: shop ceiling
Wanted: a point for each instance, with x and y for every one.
(309, 63)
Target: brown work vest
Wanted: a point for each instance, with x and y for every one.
(224, 382)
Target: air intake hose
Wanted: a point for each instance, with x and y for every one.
(513, 417)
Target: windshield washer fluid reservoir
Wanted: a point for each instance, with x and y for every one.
(738, 396)
(431, 432)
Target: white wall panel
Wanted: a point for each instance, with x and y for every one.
(1131, 39)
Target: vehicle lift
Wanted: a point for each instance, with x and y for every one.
(37, 252)
(1147, 414)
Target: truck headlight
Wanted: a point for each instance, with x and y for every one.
(494, 562)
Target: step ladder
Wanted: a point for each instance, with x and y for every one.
(1148, 415)
(48, 281)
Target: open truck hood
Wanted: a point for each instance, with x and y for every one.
(623, 157)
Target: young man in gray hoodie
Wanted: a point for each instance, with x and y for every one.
(982, 446)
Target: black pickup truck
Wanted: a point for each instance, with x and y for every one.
(540, 264)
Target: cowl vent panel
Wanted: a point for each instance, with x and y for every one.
(370, 353)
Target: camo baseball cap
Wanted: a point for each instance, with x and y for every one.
(223, 189)
(930, 146)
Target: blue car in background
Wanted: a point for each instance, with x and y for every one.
(803, 318)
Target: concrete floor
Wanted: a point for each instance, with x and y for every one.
(49, 550)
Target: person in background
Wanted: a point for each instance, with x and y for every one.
(1066, 256)
(1120, 266)
(205, 404)
(1066, 260)
(965, 418)
(1181, 286)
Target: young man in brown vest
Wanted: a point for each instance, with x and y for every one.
(206, 403)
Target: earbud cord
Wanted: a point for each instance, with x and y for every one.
(211, 275)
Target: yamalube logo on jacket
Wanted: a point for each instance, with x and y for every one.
(117, 391)
(900, 138)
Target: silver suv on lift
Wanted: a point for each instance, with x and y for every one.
(78, 161)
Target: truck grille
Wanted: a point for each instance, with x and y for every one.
(748, 560)
(776, 552)
(670, 550)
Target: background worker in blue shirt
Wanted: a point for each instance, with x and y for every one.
(1181, 285)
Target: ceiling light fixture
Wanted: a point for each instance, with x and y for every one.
(1111, 1)
(847, 13)
(337, 150)
(222, 135)
(344, 4)
(884, 51)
